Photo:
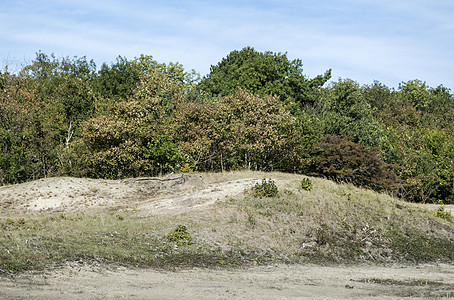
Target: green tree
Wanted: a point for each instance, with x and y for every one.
(262, 73)
(118, 80)
(377, 95)
(64, 85)
(27, 151)
(418, 122)
(345, 112)
(131, 137)
(174, 72)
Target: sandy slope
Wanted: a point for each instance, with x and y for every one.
(170, 194)
(179, 193)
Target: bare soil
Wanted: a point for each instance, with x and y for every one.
(176, 194)
(83, 281)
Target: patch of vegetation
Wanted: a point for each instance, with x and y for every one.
(254, 110)
(135, 241)
(344, 223)
(267, 188)
(306, 184)
(440, 212)
(345, 161)
(180, 236)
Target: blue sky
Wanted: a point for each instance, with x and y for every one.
(384, 40)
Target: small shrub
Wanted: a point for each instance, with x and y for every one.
(306, 184)
(440, 212)
(180, 236)
(267, 188)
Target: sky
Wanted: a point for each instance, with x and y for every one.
(390, 41)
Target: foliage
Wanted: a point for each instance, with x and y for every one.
(346, 113)
(118, 80)
(2, 81)
(174, 72)
(418, 122)
(344, 161)
(267, 188)
(130, 138)
(244, 130)
(306, 184)
(28, 137)
(180, 236)
(164, 155)
(262, 73)
(65, 85)
(255, 110)
(440, 212)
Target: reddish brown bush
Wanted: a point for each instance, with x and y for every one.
(345, 161)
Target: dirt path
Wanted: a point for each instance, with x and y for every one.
(80, 281)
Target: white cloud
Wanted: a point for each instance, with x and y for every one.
(390, 41)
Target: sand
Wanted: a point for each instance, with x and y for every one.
(175, 194)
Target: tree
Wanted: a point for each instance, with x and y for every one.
(27, 147)
(238, 131)
(174, 72)
(118, 80)
(131, 137)
(262, 74)
(64, 85)
(345, 112)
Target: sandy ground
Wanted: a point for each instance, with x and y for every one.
(174, 194)
(165, 195)
(82, 281)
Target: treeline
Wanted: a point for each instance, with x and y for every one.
(254, 110)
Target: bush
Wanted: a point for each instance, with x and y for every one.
(180, 236)
(440, 212)
(267, 188)
(345, 161)
(129, 138)
(306, 184)
(236, 132)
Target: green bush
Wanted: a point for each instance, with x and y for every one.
(243, 131)
(440, 212)
(180, 236)
(267, 188)
(306, 184)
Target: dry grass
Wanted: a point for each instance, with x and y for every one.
(331, 223)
